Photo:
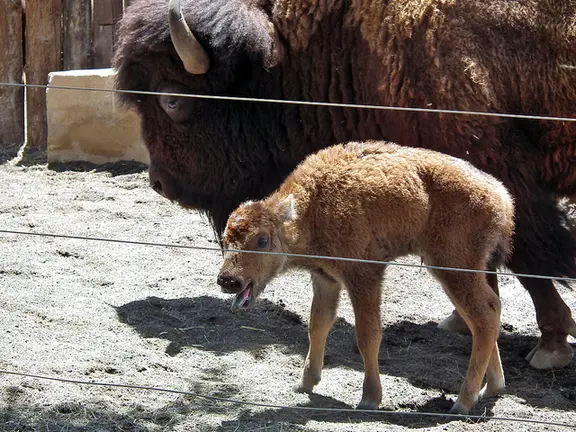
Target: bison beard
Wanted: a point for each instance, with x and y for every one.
(502, 56)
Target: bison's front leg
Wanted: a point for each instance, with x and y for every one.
(365, 297)
(555, 322)
(544, 245)
(454, 323)
(322, 316)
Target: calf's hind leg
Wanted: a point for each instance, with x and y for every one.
(454, 323)
(322, 316)
(494, 375)
(479, 306)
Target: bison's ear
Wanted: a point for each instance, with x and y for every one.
(259, 39)
(286, 209)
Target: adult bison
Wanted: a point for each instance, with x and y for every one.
(499, 56)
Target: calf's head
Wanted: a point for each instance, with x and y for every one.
(259, 227)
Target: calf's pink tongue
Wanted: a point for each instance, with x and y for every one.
(241, 299)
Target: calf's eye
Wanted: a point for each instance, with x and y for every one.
(263, 242)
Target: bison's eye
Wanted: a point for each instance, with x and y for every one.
(177, 108)
(263, 242)
(172, 104)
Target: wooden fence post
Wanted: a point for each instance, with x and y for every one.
(43, 55)
(11, 67)
(106, 15)
(77, 22)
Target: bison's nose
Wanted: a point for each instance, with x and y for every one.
(163, 183)
(229, 284)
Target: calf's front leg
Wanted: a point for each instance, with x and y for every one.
(365, 297)
(322, 316)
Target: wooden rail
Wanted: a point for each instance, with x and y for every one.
(77, 23)
(11, 68)
(43, 46)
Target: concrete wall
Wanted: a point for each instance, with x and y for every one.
(88, 125)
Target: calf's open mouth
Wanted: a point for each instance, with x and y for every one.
(244, 298)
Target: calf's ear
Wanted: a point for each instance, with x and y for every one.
(286, 209)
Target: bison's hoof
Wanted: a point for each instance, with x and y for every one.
(458, 408)
(543, 358)
(367, 405)
(455, 324)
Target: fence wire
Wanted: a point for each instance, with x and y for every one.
(269, 405)
(291, 408)
(323, 257)
(306, 103)
(285, 254)
(298, 102)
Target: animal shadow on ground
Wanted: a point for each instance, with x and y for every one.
(113, 168)
(427, 357)
(206, 323)
(295, 417)
(247, 420)
(430, 358)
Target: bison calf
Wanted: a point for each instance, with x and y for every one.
(378, 201)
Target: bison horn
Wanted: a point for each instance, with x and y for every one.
(189, 50)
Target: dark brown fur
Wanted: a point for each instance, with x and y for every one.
(379, 201)
(503, 56)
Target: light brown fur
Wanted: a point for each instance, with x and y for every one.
(379, 201)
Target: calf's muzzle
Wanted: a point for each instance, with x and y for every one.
(230, 284)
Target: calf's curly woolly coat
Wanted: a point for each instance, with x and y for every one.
(379, 201)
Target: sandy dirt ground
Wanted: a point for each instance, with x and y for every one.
(154, 316)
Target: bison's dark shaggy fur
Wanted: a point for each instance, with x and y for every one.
(502, 56)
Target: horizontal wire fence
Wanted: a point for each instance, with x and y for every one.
(293, 408)
(285, 254)
(366, 261)
(299, 102)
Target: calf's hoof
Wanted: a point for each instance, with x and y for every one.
(301, 388)
(308, 381)
(545, 356)
(458, 408)
(492, 390)
(367, 405)
(455, 324)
